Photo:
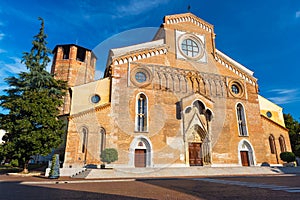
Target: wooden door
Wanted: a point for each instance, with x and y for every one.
(195, 154)
(245, 158)
(140, 158)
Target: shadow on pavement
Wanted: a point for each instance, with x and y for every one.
(16, 190)
(211, 191)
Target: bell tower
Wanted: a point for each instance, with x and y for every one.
(75, 65)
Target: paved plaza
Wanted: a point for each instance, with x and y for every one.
(216, 187)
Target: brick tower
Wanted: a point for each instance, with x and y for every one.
(73, 64)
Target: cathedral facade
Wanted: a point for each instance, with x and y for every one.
(176, 101)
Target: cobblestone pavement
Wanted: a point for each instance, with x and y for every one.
(242, 187)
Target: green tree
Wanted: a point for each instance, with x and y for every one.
(32, 101)
(294, 132)
(287, 156)
(109, 155)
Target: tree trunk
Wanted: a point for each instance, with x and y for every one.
(25, 168)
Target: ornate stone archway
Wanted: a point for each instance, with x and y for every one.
(197, 134)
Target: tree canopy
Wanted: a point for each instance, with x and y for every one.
(109, 155)
(32, 101)
(294, 132)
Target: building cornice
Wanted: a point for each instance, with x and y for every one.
(95, 109)
(140, 54)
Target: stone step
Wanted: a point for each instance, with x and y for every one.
(177, 172)
(81, 174)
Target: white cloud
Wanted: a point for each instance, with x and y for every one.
(2, 36)
(98, 74)
(11, 67)
(284, 96)
(298, 14)
(284, 91)
(137, 7)
(16, 66)
(2, 51)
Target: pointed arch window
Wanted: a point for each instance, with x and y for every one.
(272, 144)
(141, 113)
(84, 132)
(200, 106)
(241, 120)
(282, 144)
(102, 140)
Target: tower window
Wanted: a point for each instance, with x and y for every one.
(66, 52)
(80, 54)
(241, 120)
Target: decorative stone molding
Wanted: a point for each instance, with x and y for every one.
(135, 56)
(81, 114)
(188, 17)
(246, 75)
(178, 80)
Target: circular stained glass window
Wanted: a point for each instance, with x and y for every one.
(235, 89)
(95, 98)
(269, 114)
(190, 48)
(140, 77)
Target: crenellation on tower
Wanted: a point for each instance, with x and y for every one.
(74, 64)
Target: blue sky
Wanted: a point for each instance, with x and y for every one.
(261, 35)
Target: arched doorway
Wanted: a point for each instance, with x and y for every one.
(196, 137)
(141, 154)
(246, 153)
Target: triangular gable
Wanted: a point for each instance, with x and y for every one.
(196, 120)
(220, 57)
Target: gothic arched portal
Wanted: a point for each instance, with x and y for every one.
(246, 153)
